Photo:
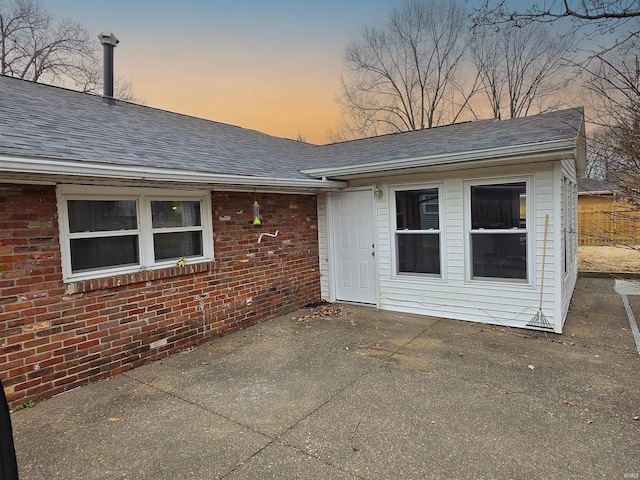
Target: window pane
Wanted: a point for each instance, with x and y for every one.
(418, 253)
(417, 209)
(167, 214)
(500, 206)
(499, 255)
(101, 216)
(177, 245)
(87, 253)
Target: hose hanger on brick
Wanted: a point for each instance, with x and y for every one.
(268, 235)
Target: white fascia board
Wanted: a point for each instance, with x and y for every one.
(538, 151)
(597, 193)
(54, 167)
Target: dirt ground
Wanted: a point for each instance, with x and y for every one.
(608, 259)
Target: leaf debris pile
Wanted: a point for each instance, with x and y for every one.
(320, 312)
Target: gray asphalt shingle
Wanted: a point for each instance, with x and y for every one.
(43, 121)
(461, 137)
(586, 185)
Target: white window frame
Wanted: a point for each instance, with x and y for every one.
(564, 226)
(394, 230)
(569, 224)
(528, 230)
(144, 230)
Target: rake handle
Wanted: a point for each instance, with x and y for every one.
(544, 255)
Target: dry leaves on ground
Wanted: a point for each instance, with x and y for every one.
(322, 311)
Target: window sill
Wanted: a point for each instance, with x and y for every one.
(413, 277)
(500, 283)
(73, 286)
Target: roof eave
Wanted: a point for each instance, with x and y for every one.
(53, 168)
(596, 192)
(535, 152)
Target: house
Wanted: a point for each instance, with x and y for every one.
(604, 215)
(128, 233)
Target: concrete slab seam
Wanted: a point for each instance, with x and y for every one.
(274, 439)
(278, 437)
(270, 440)
(178, 397)
(340, 391)
(632, 321)
(316, 457)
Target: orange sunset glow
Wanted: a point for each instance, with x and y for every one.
(272, 66)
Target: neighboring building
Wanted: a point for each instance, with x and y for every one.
(127, 233)
(593, 187)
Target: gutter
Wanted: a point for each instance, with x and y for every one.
(540, 151)
(596, 192)
(75, 168)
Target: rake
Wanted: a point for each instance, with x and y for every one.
(539, 320)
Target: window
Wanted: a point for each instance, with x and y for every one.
(103, 233)
(498, 230)
(177, 229)
(568, 223)
(108, 231)
(418, 231)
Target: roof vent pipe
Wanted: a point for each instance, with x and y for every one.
(108, 41)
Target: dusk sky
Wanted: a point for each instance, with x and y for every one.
(269, 65)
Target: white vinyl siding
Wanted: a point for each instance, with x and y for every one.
(323, 246)
(455, 296)
(567, 190)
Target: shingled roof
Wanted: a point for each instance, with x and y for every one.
(595, 186)
(457, 138)
(44, 122)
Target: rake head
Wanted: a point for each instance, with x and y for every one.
(540, 322)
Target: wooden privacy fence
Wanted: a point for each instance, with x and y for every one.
(603, 221)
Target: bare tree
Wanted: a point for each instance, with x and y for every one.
(407, 76)
(612, 155)
(597, 155)
(300, 138)
(37, 47)
(615, 81)
(592, 17)
(584, 10)
(522, 70)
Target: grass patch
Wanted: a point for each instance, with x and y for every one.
(608, 259)
(17, 408)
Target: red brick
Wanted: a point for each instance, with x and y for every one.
(49, 347)
(88, 344)
(35, 342)
(106, 326)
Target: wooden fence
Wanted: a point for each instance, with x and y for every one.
(603, 221)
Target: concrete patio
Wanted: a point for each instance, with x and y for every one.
(366, 394)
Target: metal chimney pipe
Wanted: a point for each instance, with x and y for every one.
(108, 41)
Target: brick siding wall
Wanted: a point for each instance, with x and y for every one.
(56, 336)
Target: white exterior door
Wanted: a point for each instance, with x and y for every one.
(354, 247)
